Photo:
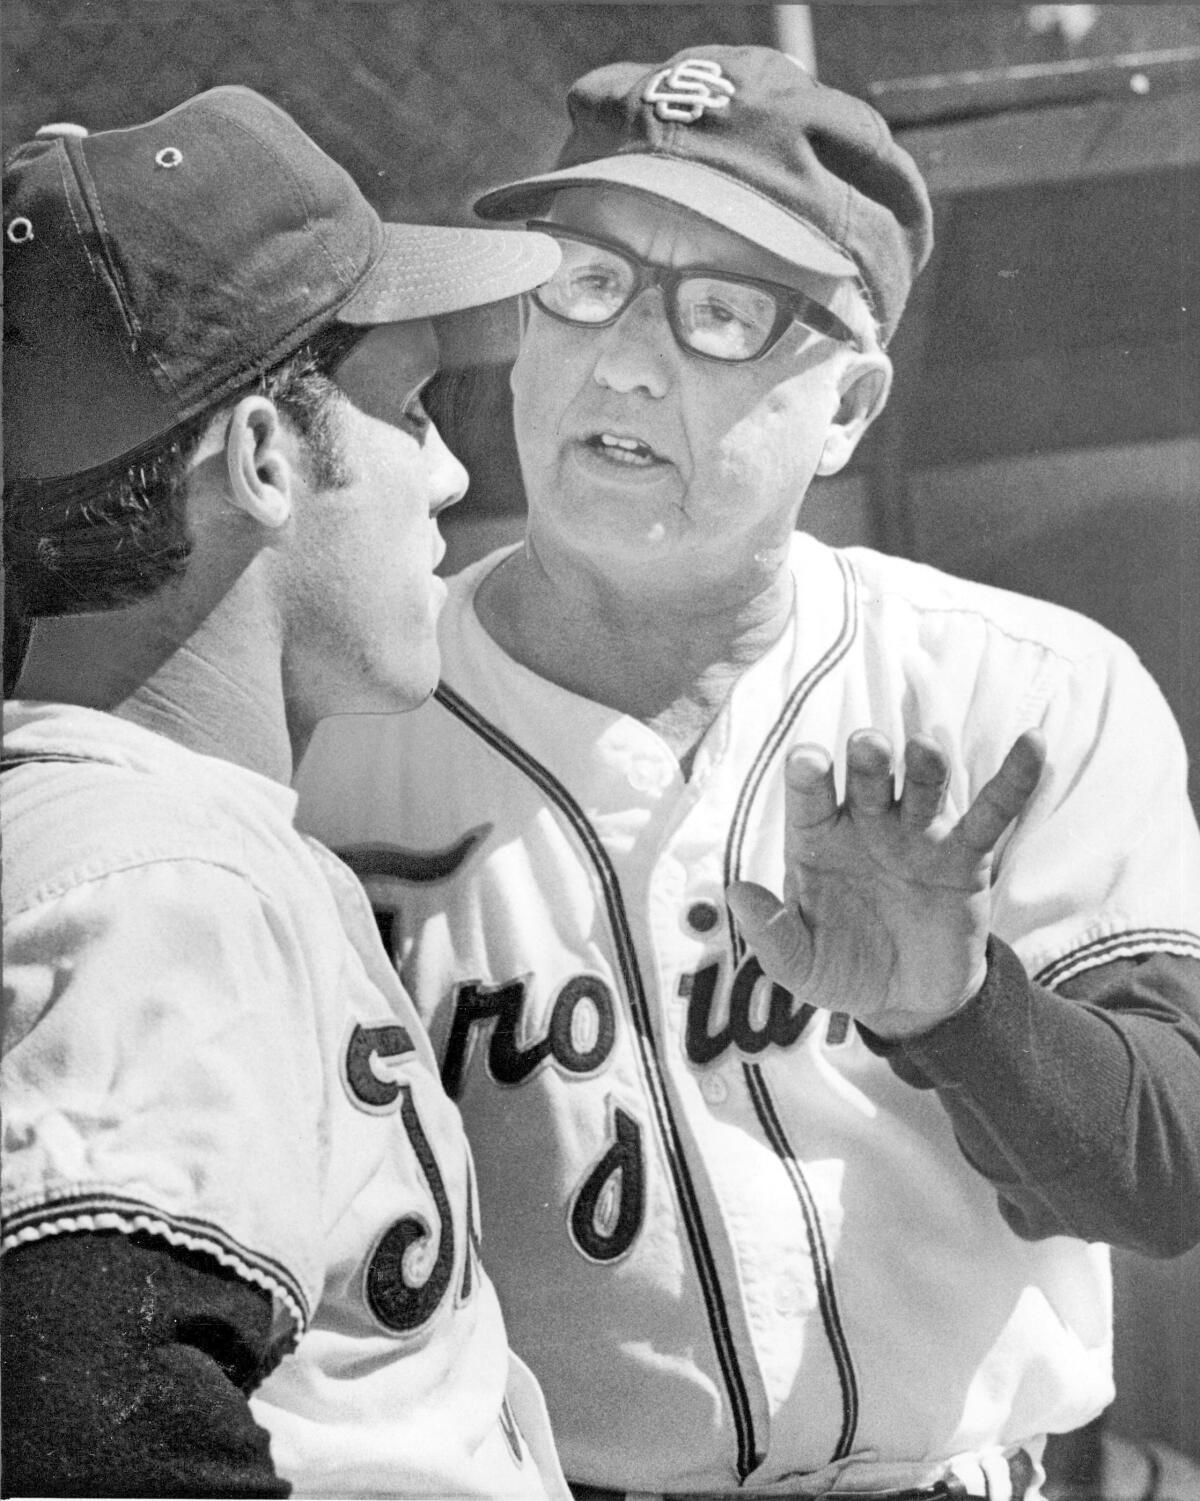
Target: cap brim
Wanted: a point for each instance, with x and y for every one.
(426, 270)
(691, 185)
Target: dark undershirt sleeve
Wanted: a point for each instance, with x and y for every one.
(1080, 1106)
(126, 1369)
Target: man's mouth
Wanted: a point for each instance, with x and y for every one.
(624, 450)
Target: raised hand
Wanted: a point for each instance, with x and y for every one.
(886, 903)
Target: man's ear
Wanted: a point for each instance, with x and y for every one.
(864, 385)
(257, 458)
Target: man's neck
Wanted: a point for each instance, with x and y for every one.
(667, 659)
(131, 663)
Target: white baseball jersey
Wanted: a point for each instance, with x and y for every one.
(735, 1248)
(204, 1040)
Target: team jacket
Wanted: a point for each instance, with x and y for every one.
(203, 1040)
(736, 1247)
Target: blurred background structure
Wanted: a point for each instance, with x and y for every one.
(1045, 430)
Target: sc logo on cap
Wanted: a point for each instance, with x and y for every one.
(685, 91)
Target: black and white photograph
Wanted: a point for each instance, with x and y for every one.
(601, 753)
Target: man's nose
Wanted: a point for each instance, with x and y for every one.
(448, 480)
(638, 352)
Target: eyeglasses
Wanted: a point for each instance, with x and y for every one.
(712, 314)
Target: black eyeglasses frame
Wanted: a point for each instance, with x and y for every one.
(793, 305)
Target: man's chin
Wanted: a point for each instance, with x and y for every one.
(395, 695)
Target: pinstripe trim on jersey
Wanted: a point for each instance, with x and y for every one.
(76, 1213)
(778, 733)
(718, 1318)
(1128, 945)
(768, 1116)
(768, 751)
(10, 761)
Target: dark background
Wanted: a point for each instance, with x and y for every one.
(1045, 431)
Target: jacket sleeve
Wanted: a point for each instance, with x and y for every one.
(127, 1364)
(1080, 1105)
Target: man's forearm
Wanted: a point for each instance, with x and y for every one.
(1081, 1106)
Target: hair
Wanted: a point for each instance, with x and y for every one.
(849, 298)
(117, 533)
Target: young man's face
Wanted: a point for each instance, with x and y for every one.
(363, 632)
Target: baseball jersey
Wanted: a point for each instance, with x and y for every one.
(734, 1246)
(205, 1041)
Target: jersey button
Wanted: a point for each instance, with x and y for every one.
(702, 917)
(788, 1301)
(649, 774)
(714, 1088)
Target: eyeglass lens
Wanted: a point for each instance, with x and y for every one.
(723, 319)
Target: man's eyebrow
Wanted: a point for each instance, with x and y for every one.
(701, 263)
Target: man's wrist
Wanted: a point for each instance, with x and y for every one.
(885, 1043)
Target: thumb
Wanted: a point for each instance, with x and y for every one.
(776, 933)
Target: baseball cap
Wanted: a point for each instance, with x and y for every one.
(746, 137)
(152, 271)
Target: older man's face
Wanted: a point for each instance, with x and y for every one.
(639, 452)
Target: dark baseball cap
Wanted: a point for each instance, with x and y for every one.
(746, 137)
(153, 271)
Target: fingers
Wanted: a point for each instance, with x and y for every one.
(811, 793)
(1007, 795)
(776, 934)
(870, 783)
(869, 787)
(926, 777)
